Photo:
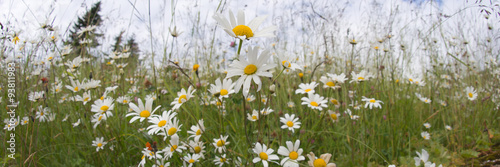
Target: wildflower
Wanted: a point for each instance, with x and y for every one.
(290, 122)
(76, 123)
(123, 99)
(42, 114)
(75, 86)
(254, 117)
(183, 96)
(250, 69)
(328, 82)
(291, 104)
(103, 107)
(353, 117)
(99, 143)
(221, 160)
(423, 99)
(197, 130)
(191, 159)
(425, 135)
(292, 154)
(173, 146)
(341, 78)
(236, 27)
(222, 89)
(265, 155)
(471, 93)
(250, 98)
(447, 127)
(314, 101)
(427, 125)
(424, 156)
(306, 88)
(372, 102)
(334, 116)
(85, 98)
(196, 147)
(142, 111)
(220, 144)
(361, 76)
(322, 161)
(159, 122)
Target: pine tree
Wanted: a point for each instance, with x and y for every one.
(91, 18)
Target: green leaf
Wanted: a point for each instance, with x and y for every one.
(469, 153)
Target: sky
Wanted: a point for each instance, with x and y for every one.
(302, 24)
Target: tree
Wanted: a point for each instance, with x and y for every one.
(79, 32)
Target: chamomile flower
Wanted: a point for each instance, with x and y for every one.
(172, 128)
(266, 111)
(306, 88)
(254, 117)
(335, 102)
(341, 78)
(173, 147)
(220, 161)
(287, 61)
(96, 119)
(328, 82)
(292, 154)
(75, 86)
(290, 122)
(471, 93)
(99, 143)
(427, 125)
(196, 147)
(334, 116)
(372, 102)
(159, 122)
(222, 89)
(76, 123)
(251, 68)
(322, 161)
(314, 101)
(220, 144)
(191, 159)
(25, 121)
(103, 107)
(182, 97)
(425, 135)
(237, 28)
(197, 130)
(264, 154)
(142, 111)
(290, 104)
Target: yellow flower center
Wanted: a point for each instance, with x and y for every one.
(307, 90)
(411, 80)
(301, 75)
(470, 95)
(293, 155)
(104, 108)
(197, 149)
(333, 116)
(220, 143)
(162, 123)
(361, 78)
(254, 117)
(286, 64)
(86, 99)
(102, 98)
(223, 92)
(426, 100)
(57, 90)
(250, 69)
(223, 160)
(100, 117)
(50, 58)
(198, 132)
(243, 30)
(125, 101)
(191, 161)
(319, 163)
(174, 147)
(334, 101)
(99, 144)
(144, 113)
(263, 156)
(195, 67)
(330, 84)
(313, 103)
(172, 131)
(289, 124)
(182, 97)
(249, 99)
(76, 89)
(372, 101)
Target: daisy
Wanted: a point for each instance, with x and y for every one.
(99, 143)
(361, 76)
(425, 135)
(182, 97)
(197, 130)
(338, 78)
(335, 102)
(447, 127)
(75, 86)
(222, 89)
(220, 144)
(423, 99)
(322, 161)
(254, 117)
(173, 147)
(42, 114)
(191, 159)
(221, 160)
(265, 155)
(250, 69)
(123, 99)
(427, 125)
(314, 101)
(159, 122)
(196, 147)
(111, 88)
(25, 121)
(266, 111)
(290, 122)
(290, 104)
(372, 102)
(85, 98)
(96, 119)
(103, 107)
(306, 88)
(76, 123)
(236, 27)
(250, 98)
(287, 61)
(328, 82)
(92, 84)
(353, 117)
(173, 127)
(471, 93)
(74, 64)
(292, 154)
(424, 156)
(142, 111)
(334, 116)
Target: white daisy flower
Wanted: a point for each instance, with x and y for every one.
(254, 117)
(265, 155)
(471, 93)
(123, 99)
(159, 122)
(287, 61)
(197, 130)
(99, 143)
(314, 101)
(237, 28)
(423, 99)
(222, 89)
(76, 123)
(220, 144)
(251, 69)
(42, 114)
(338, 78)
(447, 127)
(424, 156)
(353, 117)
(75, 86)
(173, 147)
(85, 98)
(425, 135)
(372, 102)
(191, 159)
(182, 97)
(321, 161)
(25, 121)
(328, 82)
(173, 127)
(221, 160)
(361, 76)
(290, 122)
(427, 125)
(292, 154)
(334, 116)
(306, 88)
(142, 111)
(103, 107)
(250, 98)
